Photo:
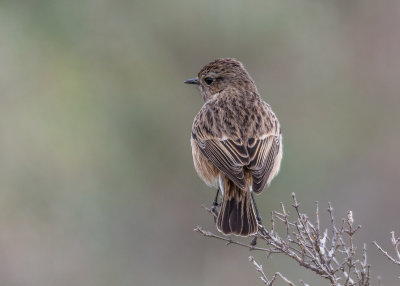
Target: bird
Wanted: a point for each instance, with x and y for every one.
(236, 143)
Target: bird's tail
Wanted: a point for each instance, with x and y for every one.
(237, 214)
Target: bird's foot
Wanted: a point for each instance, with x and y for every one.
(214, 208)
(259, 219)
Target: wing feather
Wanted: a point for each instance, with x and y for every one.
(262, 159)
(234, 155)
(227, 157)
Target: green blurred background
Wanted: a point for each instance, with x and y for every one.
(97, 185)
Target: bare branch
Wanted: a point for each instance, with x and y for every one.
(395, 243)
(329, 252)
(228, 240)
(264, 277)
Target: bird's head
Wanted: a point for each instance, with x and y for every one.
(222, 74)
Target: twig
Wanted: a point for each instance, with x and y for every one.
(264, 278)
(395, 243)
(228, 240)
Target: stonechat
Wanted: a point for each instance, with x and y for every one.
(236, 142)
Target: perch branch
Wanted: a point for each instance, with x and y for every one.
(329, 252)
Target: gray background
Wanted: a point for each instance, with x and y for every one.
(97, 185)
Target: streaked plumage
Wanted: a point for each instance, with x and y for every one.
(236, 142)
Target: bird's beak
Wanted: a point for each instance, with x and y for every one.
(194, 80)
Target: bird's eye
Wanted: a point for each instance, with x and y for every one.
(208, 80)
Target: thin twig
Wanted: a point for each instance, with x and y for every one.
(386, 253)
(264, 278)
(228, 240)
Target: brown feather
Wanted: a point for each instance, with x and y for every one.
(233, 147)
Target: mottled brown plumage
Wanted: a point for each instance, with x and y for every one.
(236, 142)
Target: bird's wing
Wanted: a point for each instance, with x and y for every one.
(262, 154)
(226, 154)
(232, 155)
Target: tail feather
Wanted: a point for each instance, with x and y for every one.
(237, 214)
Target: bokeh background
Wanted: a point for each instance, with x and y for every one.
(96, 179)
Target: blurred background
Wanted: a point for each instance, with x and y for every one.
(97, 185)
